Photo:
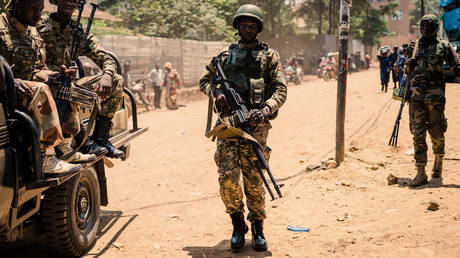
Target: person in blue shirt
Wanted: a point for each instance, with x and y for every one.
(385, 67)
(393, 63)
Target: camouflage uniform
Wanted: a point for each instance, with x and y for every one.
(427, 103)
(58, 41)
(257, 75)
(23, 49)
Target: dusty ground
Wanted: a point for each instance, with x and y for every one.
(164, 200)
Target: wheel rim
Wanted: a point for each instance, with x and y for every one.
(83, 205)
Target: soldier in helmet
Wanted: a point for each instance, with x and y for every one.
(256, 73)
(56, 31)
(427, 101)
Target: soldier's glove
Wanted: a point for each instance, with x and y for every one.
(221, 100)
(22, 88)
(257, 116)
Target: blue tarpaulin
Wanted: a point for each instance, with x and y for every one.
(445, 3)
(452, 23)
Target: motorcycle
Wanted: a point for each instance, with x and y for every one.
(329, 73)
(139, 90)
(291, 75)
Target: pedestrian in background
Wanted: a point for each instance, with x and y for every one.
(393, 63)
(155, 77)
(385, 66)
(171, 82)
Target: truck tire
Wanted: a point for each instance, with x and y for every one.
(71, 214)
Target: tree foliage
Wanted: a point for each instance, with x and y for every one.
(196, 19)
(431, 7)
(185, 19)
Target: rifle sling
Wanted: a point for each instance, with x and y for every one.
(90, 128)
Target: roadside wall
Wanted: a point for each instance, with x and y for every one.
(188, 57)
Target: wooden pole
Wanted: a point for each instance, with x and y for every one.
(422, 8)
(345, 6)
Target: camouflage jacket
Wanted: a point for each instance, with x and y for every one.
(23, 49)
(255, 72)
(428, 82)
(58, 41)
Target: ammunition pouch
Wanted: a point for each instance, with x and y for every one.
(257, 92)
(63, 89)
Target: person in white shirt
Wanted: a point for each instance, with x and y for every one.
(156, 79)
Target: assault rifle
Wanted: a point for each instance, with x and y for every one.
(240, 114)
(64, 93)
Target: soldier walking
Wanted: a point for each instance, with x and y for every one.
(427, 101)
(24, 50)
(56, 31)
(256, 73)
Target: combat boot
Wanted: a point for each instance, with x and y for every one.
(65, 147)
(437, 167)
(258, 239)
(89, 147)
(101, 137)
(421, 178)
(53, 166)
(239, 230)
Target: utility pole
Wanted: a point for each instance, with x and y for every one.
(422, 8)
(345, 6)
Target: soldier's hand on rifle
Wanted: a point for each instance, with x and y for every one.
(221, 100)
(23, 89)
(70, 72)
(105, 86)
(257, 116)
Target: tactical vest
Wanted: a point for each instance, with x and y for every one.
(247, 69)
(23, 54)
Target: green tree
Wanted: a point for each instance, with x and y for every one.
(313, 12)
(185, 19)
(369, 24)
(431, 7)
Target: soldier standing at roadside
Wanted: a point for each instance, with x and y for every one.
(427, 102)
(256, 73)
(56, 31)
(23, 49)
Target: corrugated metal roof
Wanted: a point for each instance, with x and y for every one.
(100, 15)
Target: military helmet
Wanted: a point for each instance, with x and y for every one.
(432, 22)
(249, 10)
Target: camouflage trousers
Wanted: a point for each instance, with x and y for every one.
(110, 105)
(235, 157)
(42, 108)
(427, 115)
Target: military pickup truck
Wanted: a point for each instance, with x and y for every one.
(65, 210)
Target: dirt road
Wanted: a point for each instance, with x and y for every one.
(164, 200)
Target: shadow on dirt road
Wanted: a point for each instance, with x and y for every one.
(223, 250)
(108, 220)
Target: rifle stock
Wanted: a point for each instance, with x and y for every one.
(240, 115)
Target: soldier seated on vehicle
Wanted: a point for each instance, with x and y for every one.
(23, 49)
(56, 31)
